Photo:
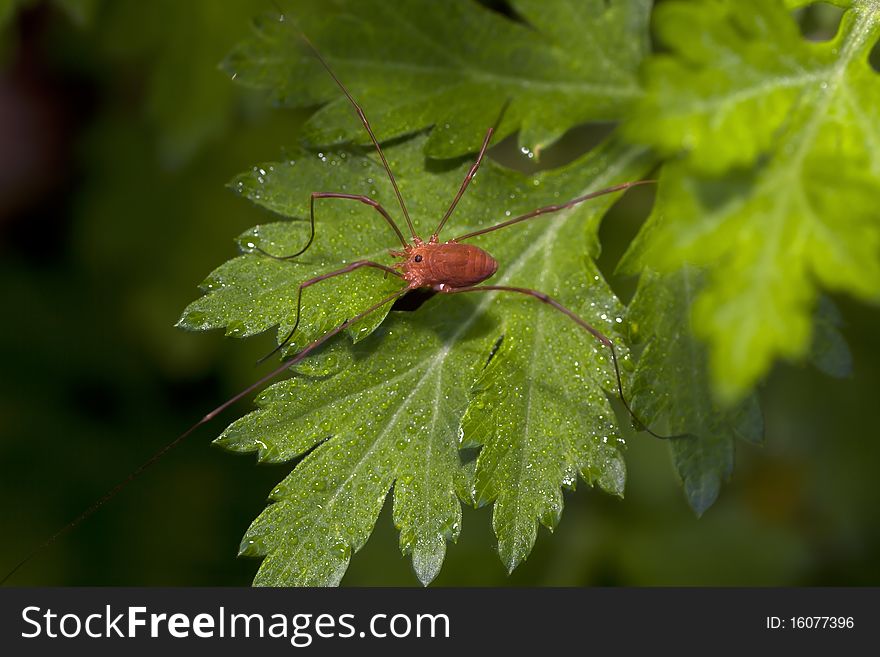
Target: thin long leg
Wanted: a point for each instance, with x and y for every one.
(540, 296)
(363, 118)
(554, 208)
(207, 418)
(366, 200)
(467, 180)
(357, 264)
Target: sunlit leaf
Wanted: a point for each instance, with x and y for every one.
(791, 126)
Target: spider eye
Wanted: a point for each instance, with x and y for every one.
(418, 258)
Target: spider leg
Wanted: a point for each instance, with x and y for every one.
(366, 200)
(357, 264)
(467, 180)
(544, 298)
(363, 117)
(549, 209)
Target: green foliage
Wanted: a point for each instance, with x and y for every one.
(253, 293)
(393, 404)
(452, 65)
(829, 352)
(671, 386)
(771, 132)
(497, 398)
(796, 4)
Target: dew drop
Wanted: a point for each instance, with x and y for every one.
(527, 152)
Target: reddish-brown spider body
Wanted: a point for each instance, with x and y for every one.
(444, 267)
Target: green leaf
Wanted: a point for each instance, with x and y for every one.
(829, 352)
(391, 408)
(387, 412)
(671, 386)
(451, 65)
(796, 4)
(791, 122)
(252, 293)
(540, 410)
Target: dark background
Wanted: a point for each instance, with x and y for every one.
(117, 135)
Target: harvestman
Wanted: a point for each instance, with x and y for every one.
(446, 267)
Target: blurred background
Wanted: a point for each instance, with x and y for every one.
(117, 136)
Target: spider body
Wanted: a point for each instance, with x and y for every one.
(444, 267)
